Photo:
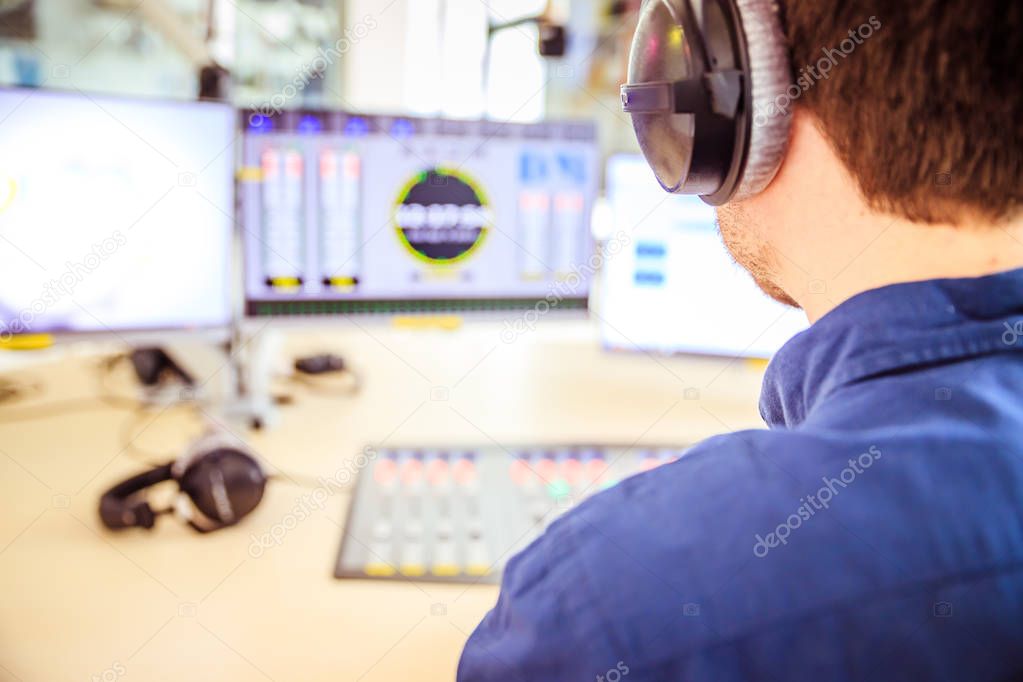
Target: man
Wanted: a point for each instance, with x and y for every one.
(876, 530)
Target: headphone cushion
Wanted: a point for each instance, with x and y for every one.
(770, 77)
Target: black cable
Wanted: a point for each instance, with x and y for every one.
(61, 407)
(9, 391)
(15, 391)
(128, 437)
(106, 398)
(306, 481)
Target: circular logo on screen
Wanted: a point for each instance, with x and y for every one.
(442, 216)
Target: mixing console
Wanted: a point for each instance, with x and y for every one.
(457, 515)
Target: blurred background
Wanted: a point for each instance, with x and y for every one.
(451, 58)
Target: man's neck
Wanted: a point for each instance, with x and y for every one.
(877, 250)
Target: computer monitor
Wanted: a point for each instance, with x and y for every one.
(345, 213)
(674, 288)
(115, 214)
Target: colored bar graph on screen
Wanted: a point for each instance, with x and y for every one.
(283, 219)
(340, 229)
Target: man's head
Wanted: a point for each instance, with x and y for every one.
(906, 152)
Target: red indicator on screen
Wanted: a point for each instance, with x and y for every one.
(534, 201)
(568, 201)
(328, 165)
(293, 164)
(270, 163)
(352, 166)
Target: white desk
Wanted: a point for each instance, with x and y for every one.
(82, 603)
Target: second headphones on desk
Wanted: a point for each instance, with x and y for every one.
(219, 483)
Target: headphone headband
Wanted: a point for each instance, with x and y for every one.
(115, 509)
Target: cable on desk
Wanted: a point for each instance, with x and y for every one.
(128, 438)
(14, 391)
(106, 398)
(350, 387)
(306, 481)
(62, 407)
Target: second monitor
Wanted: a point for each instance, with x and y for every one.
(345, 213)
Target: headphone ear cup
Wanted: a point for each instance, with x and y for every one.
(224, 485)
(770, 75)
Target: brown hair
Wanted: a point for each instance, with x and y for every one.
(923, 101)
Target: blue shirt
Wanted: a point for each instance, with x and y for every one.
(875, 532)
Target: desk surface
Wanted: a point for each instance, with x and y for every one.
(83, 603)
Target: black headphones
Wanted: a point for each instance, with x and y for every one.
(219, 484)
(705, 77)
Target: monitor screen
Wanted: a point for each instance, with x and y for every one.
(344, 213)
(115, 214)
(674, 288)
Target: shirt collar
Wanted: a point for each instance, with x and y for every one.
(889, 329)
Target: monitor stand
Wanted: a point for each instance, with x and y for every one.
(251, 360)
(229, 382)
